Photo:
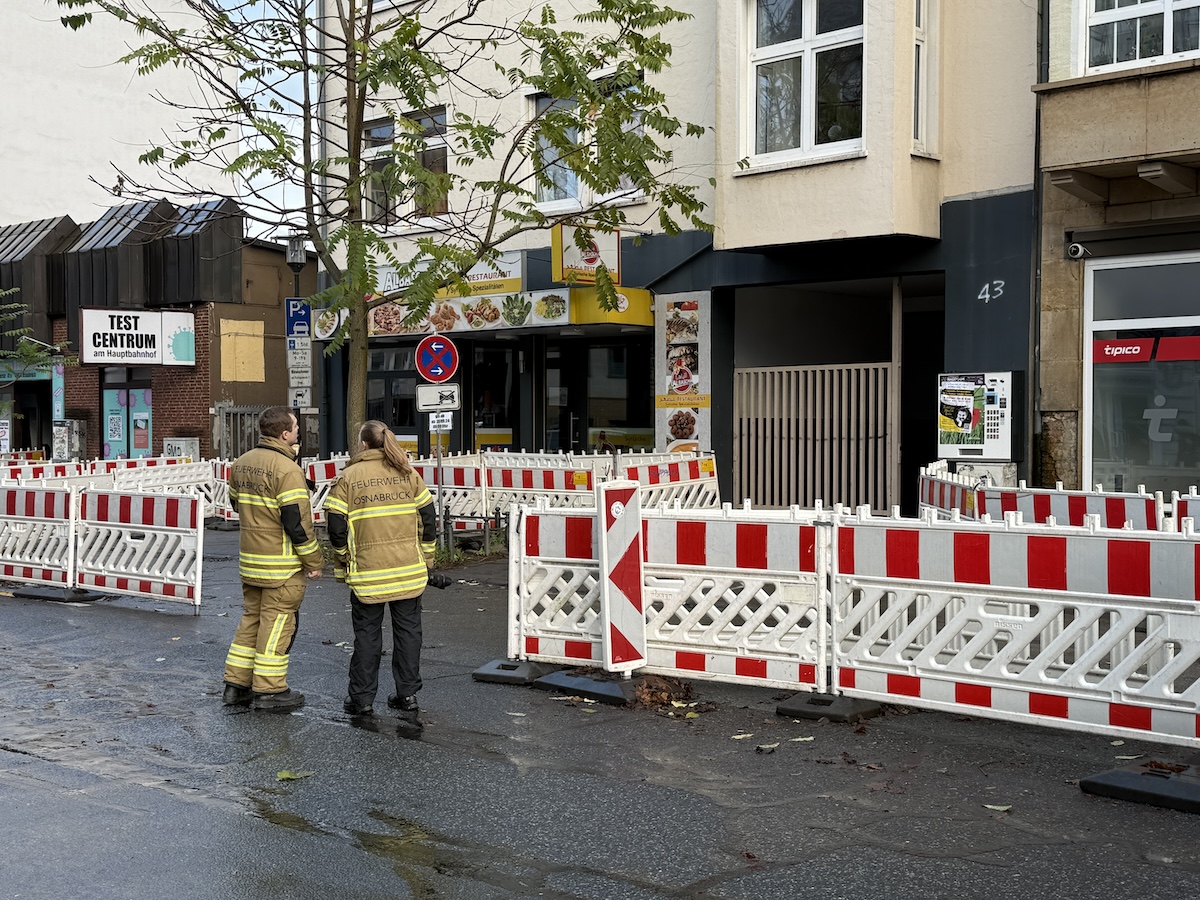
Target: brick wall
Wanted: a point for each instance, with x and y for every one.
(81, 393)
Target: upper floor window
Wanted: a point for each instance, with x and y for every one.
(806, 71)
(1125, 34)
(559, 184)
(390, 195)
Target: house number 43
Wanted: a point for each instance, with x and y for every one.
(991, 290)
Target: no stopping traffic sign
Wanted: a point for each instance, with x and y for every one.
(437, 358)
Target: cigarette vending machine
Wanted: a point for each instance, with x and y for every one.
(979, 416)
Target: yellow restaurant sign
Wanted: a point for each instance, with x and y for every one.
(635, 306)
(504, 276)
(570, 264)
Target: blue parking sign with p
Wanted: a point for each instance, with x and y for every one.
(298, 317)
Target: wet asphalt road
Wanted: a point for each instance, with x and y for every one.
(123, 776)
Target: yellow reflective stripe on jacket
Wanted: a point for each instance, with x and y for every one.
(292, 496)
(423, 498)
(240, 657)
(256, 500)
(333, 504)
(381, 512)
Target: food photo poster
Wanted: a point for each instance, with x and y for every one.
(682, 402)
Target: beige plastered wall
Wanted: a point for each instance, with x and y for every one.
(982, 139)
(1103, 125)
(690, 84)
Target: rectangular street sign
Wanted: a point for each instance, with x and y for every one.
(298, 358)
(300, 376)
(438, 397)
(441, 421)
(300, 343)
(297, 316)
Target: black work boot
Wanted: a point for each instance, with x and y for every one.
(236, 694)
(404, 704)
(358, 709)
(284, 701)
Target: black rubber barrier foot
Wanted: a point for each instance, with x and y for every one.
(513, 671)
(57, 594)
(828, 706)
(604, 690)
(1156, 782)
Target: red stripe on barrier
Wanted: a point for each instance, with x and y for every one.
(1041, 507)
(904, 685)
(645, 540)
(532, 529)
(577, 649)
(547, 479)
(531, 645)
(808, 548)
(652, 471)
(808, 675)
(693, 662)
(1048, 705)
(845, 538)
(694, 468)
(846, 678)
(751, 546)
(1046, 562)
(1008, 501)
(903, 552)
(506, 479)
(1114, 512)
(1121, 715)
(973, 694)
(1129, 568)
(527, 478)
(690, 549)
(972, 558)
(148, 517)
(1076, 509)
(750, 668)
(579, 538)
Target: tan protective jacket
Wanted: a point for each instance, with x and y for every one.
(268, 491)
(382, 526)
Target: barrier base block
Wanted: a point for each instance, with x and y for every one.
(513, 671)
(57, 594)
(828, 706)
(1156, 782)
(619, 692)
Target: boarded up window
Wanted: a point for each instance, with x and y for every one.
(242, 351)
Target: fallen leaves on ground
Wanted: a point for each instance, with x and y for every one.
(766, 748)
(997, 808)
(288, 775)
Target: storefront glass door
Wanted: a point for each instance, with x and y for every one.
(127, 423)
(599, 396)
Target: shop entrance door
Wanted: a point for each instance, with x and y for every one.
(599, 396)
(128, 432)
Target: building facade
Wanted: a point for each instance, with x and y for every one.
(1120, 245)
(874, 211)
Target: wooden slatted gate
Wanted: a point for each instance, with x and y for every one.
(809, 433)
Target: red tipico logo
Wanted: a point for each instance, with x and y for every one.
(1124, 351)
(591, 255)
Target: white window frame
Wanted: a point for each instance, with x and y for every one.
(407, 208)
(925, 77)
(1087, 17)
(1091, 326)
(584, 196)
(806, 47)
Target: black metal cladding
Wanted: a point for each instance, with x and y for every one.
(200, 259)
(28, 252)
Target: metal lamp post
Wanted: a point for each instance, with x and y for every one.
(297, 258)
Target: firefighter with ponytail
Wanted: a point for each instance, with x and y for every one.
(382, 526)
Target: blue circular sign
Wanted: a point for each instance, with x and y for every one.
(437, 358)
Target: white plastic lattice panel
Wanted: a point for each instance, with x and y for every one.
(148, 545)
(36, 535)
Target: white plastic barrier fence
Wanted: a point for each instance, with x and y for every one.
(148, 545)
(1071, 627)
(946, 492)
(37, 536)
(322, 474)
(730, 595)
(691, 482)
(1185, 506)
(222, 505)
(31, 471)
(108, 466)
(22, 456)
(195, 478)
(1083, 628)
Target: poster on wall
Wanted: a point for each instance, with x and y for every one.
(682, 403)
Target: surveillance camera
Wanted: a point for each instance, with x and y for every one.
(1077, 251)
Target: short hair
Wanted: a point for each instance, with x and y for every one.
(274, 421)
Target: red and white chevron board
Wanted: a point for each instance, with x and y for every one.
(669, 473)
(149, 510)
(35, 503)
(947, 495)
(452, 475)
(622, 604)
(541, 479)
(560, 535)
(726, 543)
(1015, 704)
(1071, 507)
(1163, 565)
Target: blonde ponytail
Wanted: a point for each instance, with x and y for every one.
(378, 436)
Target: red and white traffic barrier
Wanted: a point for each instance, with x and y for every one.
(622, 584)
(37, 536)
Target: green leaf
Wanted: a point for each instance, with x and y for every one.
(288, 775)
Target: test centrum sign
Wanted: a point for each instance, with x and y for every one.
(137, 337)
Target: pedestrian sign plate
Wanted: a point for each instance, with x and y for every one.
(441, 421)
(437, 358)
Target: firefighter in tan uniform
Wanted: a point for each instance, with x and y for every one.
(382, 525)
(278, 553)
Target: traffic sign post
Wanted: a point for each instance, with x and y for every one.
(437, 358)
(436, 398)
